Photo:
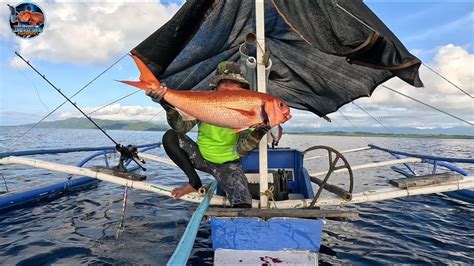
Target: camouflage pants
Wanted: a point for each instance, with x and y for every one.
(230, 176)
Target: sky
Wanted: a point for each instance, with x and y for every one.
(82, 39)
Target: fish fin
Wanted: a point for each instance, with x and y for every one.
(264, 115)
(237, 130)
(185, 116)
(147, 79)
(138, 84)
(145, 73)
(245, 112)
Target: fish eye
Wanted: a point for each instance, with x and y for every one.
(281, 105)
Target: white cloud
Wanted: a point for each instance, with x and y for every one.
(119, 112)
(393, 110)
(97, 32)
(452, 62)
(91, 32)
(304, 119)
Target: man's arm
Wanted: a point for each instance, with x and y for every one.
(249, 140)
(176, 122)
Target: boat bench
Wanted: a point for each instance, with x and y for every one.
(426, 180)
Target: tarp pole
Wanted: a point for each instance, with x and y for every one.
(261, 87)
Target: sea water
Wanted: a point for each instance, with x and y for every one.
(84, 227)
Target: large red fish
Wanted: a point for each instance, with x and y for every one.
(228, 107)
(32, 18)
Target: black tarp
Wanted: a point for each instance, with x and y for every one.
(324, 53)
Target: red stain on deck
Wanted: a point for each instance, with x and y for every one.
(267, 260)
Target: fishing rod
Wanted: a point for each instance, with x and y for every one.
(128, 152)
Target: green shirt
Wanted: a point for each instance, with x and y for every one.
(217, 144)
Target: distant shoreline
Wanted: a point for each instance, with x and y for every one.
(328, 133)
(382, 135)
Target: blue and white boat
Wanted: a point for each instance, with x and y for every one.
(317, 69)
(289, 229)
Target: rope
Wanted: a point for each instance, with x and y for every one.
(269, 194)
(430, 106)
(448, 81)
(340, 112)
(365, 139)
(363, 23)
(378, 121)
(356, 18)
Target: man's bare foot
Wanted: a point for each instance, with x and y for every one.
(179, 192)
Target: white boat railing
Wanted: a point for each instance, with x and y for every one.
(343, 152)
(331, 200)
(372, 165)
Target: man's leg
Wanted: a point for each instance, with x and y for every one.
(232, 180)
(230, 176)
(181, 159)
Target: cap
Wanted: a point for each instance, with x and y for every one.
(228, 70)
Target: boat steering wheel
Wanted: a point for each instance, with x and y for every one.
(334, 157)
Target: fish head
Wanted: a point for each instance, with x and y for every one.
(277, 112)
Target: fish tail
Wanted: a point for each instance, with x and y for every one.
(147, 79)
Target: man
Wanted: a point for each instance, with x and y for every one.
(217, 150)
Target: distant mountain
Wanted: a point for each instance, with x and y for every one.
(83, 123)
(453, 131)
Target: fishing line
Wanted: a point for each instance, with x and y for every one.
(19, 137)
(34, 85)
(79, 109)
(130, 94)
(378, 121)
(153, 117)
(448, 80)
(85, 86)
(29, 140)
(119, 99)
(430, 106)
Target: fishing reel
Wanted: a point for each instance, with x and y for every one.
(128, 152)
